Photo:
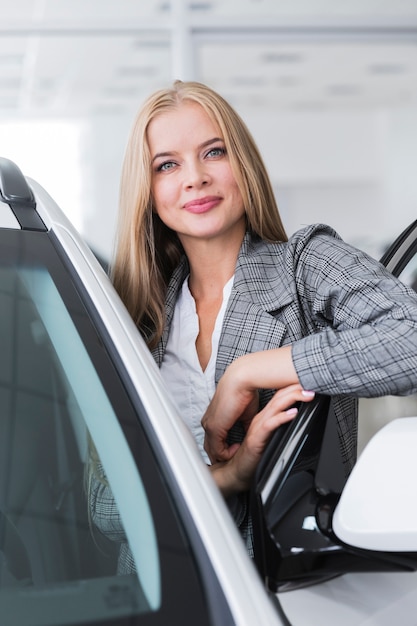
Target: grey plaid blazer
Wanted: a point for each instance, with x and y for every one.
(353, 327)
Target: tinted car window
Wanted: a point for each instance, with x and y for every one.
(86, 534)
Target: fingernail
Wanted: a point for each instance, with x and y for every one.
(309, 394)
(292, 411)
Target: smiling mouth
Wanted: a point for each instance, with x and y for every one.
(202, 205)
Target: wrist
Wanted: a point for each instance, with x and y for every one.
(226, 479)
(241, 373)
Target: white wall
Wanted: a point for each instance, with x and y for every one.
(353, 170)
(400, 171)
(349, 169)
(102, 150)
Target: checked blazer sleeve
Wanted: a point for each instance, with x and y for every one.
(366, 339)
(105, 516)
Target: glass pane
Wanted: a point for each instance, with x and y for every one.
(56, 422)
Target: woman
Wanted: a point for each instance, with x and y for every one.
(241, 320)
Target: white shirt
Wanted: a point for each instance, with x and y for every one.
(191, 388)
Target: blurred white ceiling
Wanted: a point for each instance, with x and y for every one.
(86, 57)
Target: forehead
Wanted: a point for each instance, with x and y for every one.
(188, 122)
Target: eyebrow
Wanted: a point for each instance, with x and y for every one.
(209, 142)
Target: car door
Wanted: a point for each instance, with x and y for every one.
(318, 578)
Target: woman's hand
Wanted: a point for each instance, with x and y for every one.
(236, 397)
(236, 474)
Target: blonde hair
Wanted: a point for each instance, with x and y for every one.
(146, 250)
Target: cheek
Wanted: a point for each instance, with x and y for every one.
(236, 191)
(157, 197)
(163, 195)
(163, 202)
(230, 181)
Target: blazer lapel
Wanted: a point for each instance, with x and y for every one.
(175, 283)
(261, 288)
(246, 328)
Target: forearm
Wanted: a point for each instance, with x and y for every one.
(270, 369)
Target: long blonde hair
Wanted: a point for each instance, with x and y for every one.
(146, 251)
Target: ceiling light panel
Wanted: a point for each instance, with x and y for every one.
(72, 57)
(79, 71)
(357, 73)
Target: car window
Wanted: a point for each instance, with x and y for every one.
(86, 536)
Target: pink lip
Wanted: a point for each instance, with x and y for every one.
(202, 205)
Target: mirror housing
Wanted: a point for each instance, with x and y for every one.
(378, 507)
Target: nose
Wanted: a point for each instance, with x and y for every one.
(196, 174)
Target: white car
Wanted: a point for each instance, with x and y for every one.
(79, 390)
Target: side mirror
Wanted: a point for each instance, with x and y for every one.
(378, 507)
(297, 489)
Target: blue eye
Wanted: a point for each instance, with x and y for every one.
(216, 152)
(164, 167)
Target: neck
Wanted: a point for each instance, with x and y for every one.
(212, 264)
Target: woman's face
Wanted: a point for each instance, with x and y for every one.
(193, 186)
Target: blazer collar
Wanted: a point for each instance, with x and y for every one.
(261, 284)
(261, 275)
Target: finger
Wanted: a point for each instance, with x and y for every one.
(268, 421)
(215, 441)
(285, 398)
(260, 432)
(279, 409)
(272, 422)
(221, 452)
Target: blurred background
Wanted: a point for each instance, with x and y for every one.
(327, 87)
